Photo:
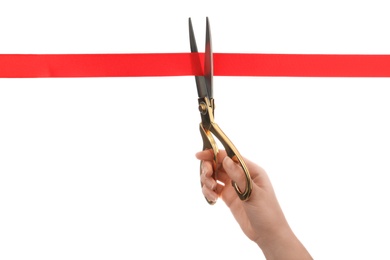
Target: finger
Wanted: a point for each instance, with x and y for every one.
(206, 175)
(208, 155)
(206, 168)
(235, 172)
(212, 176)
(210, 195)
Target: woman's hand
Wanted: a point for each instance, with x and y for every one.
(260, 217)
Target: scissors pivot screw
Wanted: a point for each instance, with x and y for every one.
(203, 108)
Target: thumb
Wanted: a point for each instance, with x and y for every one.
(235, 172)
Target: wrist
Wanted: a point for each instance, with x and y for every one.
(283, 244)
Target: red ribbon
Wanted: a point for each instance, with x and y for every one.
(183, 64)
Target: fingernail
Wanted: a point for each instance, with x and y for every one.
(212, 200)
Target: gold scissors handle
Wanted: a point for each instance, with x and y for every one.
(208, 128)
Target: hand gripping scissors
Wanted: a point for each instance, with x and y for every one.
(208, 127)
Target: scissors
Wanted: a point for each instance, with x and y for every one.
(208, 128)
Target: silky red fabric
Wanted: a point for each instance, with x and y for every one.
(187, 64)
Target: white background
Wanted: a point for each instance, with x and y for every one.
(104, 168)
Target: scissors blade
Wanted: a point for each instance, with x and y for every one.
(208, 61)
(200, 80)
